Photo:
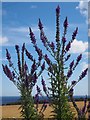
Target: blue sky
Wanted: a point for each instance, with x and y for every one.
(18, 17)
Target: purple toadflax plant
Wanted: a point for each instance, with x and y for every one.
(25, 79)
(59, 91)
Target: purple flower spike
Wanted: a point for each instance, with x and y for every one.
(17, 48)
(8, 73)
(47, 59)
(75, 33)
(32, 36)
(64, 39)
(44, 85)
(40, 25)
(39, 51)
(38, 89)
(26, 67)
(23, 47)
(33, 68)
(79, 57)
(65, 23)
(68, 46)
(58, 9)
(34, 78)
(52, 45)
(73, 82)
(69, 73)
(67, 58)
(83, 74)
(43, 38)
(29, 55)
(43, 66)
(8, 55)
(71, 64)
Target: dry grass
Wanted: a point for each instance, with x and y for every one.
(11, 111)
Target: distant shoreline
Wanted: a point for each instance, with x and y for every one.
(15, 100)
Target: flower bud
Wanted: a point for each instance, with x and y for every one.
(58, 10)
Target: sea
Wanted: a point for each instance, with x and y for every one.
(13, 99)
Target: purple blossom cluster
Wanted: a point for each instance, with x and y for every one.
(8, 73)
(79, 58)
(38, 89)
(43, 38)
(28, 54)
(67, 58)
(83, 74)
(40, 25)
(32, 36)
(65, 23)
(18, 56)
(34, 78)
(42, 35)
(68, 46)
(8, 55)
(73, 82)
(17, 48)
(33, 67)
(58, 10)
(63, 40)
(47, 59)
(39, 51)
(25, 67)
(44, 86)
(43, 66)
(52, 46)
(23, 47)
(71, 64)
(75, 33)
(69, 73)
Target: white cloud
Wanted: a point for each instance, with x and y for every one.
(83, 7)
(3, 40)
(78, 46)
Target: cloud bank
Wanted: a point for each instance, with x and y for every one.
(78, 46)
